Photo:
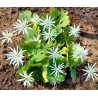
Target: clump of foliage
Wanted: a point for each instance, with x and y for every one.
(44, 65)
(49, 43)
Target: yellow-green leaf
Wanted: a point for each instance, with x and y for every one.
(64, 50)
(44, 74)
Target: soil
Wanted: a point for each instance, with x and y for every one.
(87, 18)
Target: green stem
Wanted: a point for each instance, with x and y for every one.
(67, 56)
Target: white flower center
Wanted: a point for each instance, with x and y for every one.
(57, 69)
(7, 36)
(90, 71)
(23, 25)
(75, 30)
(17, 55)
(54, 53)
(80, 52)
(49, 34)
(27, 78)
(47, 22)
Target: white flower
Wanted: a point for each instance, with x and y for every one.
(57, 69)
(91, 72)
(79, 52)
(49, 35)
(27, 79)
(47, 23)
(54, 54)
(15, 56)
(7, 36)
(35, 19)
(75, 30)
(36, 38)
(22, 26)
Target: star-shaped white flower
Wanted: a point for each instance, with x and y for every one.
(27, 79)
(54, 54)
(48, 23)
(79, 52)
(36, 39)
(21, 26)
(75, 30)
(49, 35)
(91, 71)
(15, 56)
(57, 69)
(6, 36)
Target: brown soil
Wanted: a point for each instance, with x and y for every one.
(87, 18)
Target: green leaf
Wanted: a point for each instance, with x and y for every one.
(44, 74)
(26, 39)
(47, 45)
(30, 62)
(70, 39)
(25, 15)
(32, 32)
(73, 74)
(35, 15)
(30, 50)
(39, 56)
(58, 30)
(61, 39)
(66, 31)
(59, 78)
(73, 62)
(64, 50)
(64, 20)
(54, 12)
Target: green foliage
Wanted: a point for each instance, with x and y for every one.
(51, 77)
(25, 15)
(44, 74)
(73, 74)
(63, 19)
(39, 56)
(38, 52)
(54, 13)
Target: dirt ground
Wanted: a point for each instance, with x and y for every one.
(87, 18)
